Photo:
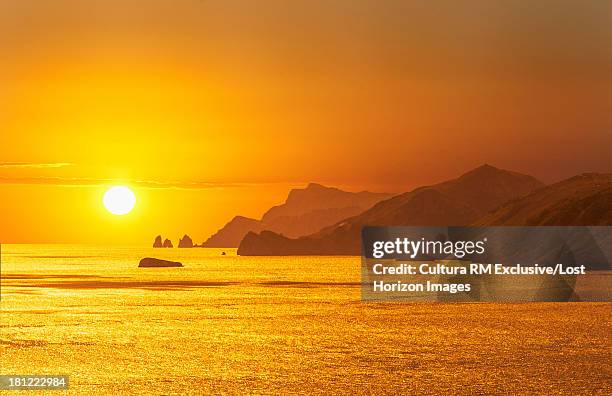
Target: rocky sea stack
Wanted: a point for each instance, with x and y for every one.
(185, 242)
(158, 242)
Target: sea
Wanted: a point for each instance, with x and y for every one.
(226, 324)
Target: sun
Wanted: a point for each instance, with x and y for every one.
(119, 200)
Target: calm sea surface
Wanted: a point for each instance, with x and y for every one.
(229, 324)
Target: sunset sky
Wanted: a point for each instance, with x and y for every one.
(208, 109)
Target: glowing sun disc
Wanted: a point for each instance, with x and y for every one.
(119, 200)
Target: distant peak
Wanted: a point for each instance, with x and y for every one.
(486, 166)
(315, 186)
(309, 189)
(484, 169)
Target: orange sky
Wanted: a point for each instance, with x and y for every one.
(209, 109)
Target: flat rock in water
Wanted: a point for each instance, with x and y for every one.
(156, 263)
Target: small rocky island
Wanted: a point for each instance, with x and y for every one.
(150, 262)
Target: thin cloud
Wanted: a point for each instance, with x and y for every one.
(89, 182)
(36, 165)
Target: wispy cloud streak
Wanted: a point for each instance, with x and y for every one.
(36, 165)
(88, 182)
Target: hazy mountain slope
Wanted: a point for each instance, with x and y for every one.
(316, 197)
(232, 233)
(581, 200)
(310, 222)
(455, 202)
(305, 211)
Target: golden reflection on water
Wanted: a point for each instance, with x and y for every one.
(276, 325)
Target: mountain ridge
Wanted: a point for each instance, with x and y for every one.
(458, 201)
(306, 210)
